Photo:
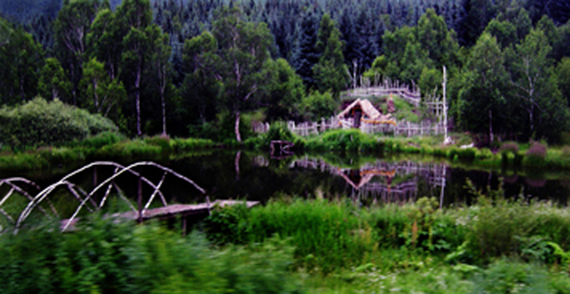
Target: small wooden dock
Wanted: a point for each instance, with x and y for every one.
(181, 210)
(168, 211)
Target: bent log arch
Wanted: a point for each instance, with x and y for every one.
(87, 197)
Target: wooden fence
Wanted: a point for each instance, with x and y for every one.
(385, 87)
(402, 128)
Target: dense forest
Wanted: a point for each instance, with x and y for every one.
(200, 67)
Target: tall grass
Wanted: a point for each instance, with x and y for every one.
(325, 235)
(105, 257)
(342, 140)
(332, 235)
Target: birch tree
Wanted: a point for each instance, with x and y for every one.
(235, 56)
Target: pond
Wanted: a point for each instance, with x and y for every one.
(364, 179)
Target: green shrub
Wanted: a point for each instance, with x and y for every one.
(227, 225)
(317, 105)
(500, 228)
(62, 155)
(343, 140)
(100, 140)
(130, 149)
(22, 162)
(280, 132)
(536, 154)
(183, 145)
(162, 141)
(40, 123)
(509, 153)
(507, 147)
(467, 154)
(506, 276)
(389, 224)
(326, 236)
(102, 256)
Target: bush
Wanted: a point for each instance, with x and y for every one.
(483, 154)
(536, 154)
(500, 228)
(279, 131)
(510, 153)
(343, 140)
(227, 225)
(467, 154)
(100, 140)
(182, 145)
(317, 105)
(102, 256)
(507, 276)
(41, 123)
(130, 149)
(511, 147)
(326, 235)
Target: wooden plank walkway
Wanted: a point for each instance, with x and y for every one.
(181, 209)
(170, 211)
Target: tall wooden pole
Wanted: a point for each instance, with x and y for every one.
(445, 139)
(139, 197)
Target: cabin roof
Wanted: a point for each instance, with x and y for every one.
(367, 108)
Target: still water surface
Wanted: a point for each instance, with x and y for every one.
(251, 176)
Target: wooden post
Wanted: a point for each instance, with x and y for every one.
(444, 105)
(139, 197)
(184, 225)
(442, 188)
(95, 177)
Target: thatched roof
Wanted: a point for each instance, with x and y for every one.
(367, 109)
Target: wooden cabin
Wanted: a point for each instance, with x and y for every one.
(362, 111)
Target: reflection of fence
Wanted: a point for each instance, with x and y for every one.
(407, 191)
(434, 174)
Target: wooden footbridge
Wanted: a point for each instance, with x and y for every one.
(39, 200)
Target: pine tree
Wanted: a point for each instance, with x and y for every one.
(306, 55)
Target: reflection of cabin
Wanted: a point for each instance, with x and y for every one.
(362, 111)
(358, 178)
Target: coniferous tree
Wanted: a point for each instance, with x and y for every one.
(330, 73)
(306, 55)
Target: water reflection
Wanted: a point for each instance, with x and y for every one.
(372, 180)
(258, 177)
(384, 181)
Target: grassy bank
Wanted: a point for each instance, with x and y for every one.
(496, 246)
(106, 146)
(110, 146)
(305, 246)
(507, 155)
(333, 235)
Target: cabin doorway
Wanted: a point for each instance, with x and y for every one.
(357, 116)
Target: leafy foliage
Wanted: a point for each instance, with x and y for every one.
(39, 123)
(104, 257)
